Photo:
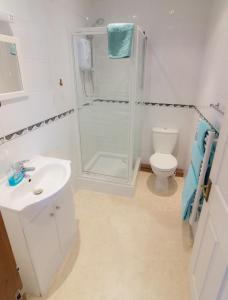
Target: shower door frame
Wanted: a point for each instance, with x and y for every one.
(132, 99)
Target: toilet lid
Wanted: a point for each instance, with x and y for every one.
(163, 162)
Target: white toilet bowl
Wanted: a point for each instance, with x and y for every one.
(163, 166)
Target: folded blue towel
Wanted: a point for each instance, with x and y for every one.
(188, 194)
(203, 127)
(212, 154)
(197, 158)
(120, 36)
(210, 162)
(192, 178)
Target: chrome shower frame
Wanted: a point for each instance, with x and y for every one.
(103, 183)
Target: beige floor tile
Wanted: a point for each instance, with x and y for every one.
(127, 249)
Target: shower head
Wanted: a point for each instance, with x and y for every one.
(98, 22)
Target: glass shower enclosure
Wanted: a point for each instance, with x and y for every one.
(110, 93)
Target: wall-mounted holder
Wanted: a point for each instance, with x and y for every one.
(218, 108)
(60, 81)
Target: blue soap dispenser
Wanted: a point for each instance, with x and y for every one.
(15, 175)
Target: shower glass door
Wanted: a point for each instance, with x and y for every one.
(103, 107)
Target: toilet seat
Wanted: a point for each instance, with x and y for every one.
(163, 162)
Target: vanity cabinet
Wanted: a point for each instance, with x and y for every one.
(43, 246)
(65, 221)
(41, 236)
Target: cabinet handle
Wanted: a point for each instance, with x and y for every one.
(57, 207)
(52, 214)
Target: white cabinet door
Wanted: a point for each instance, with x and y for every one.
(65, 219)
(43, 243)
(209, 266)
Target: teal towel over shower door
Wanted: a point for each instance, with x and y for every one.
(120, 37)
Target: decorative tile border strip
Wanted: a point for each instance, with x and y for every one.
(112, 101)
(174, 105)
(184, 106)
(145, 103)
(21, 132)
(140, 102)
(159, 104)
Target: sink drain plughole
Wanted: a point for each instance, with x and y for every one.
(38, 191)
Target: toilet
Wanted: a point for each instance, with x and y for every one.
(162, 162)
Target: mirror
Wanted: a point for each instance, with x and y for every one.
(11, 83)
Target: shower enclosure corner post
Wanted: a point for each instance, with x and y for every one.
(76, 83)
(134, 163)
(132, 101)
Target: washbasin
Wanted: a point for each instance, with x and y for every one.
(49, 177)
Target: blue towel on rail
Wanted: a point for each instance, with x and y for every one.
(197, 158)
(203, 128)
(188, 194)
(120, 36)
(192, 178)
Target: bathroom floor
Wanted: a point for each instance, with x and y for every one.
(128, 249)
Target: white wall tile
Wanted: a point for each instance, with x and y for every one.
(175, 42)
(213, 86)
(44, 28)
(51, 140)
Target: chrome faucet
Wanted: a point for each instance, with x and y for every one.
(20, 166)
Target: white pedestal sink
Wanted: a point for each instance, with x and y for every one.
(39, 218)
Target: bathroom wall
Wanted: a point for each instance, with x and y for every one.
(176, 33)
(213, 86)
(44, 29)
(176, 54)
